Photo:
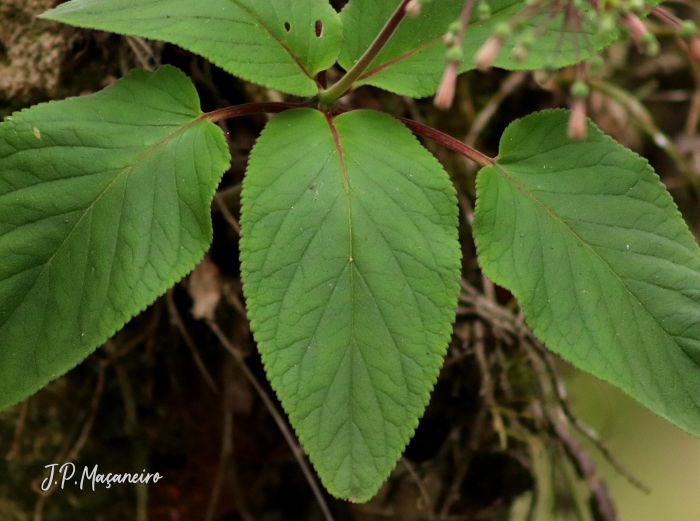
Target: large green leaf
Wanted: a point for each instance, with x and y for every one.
(350, 264)
(281, 44)
(592, 245)
(413, 61)
(104, 204)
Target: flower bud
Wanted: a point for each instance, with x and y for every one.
(446, 91)
(577, 128)
(650, 44)
(519, 52)
(451, 37)
(502, 30)
(579, 90)
(413, 8)
(487, 52)
(455, 54)
(483, 11)
(687, 29)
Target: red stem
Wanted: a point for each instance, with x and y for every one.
(666, 16)
(251, 108)
(447, 141)
(416, 128)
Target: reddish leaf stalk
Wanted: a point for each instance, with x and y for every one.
(251, 108)
(665, 16)
(415, 127)
(448, 142)
(339, 89)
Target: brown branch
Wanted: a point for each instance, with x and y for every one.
(19, 428)
(228, 216)
(421, 488)
(297, 451)
(176, 320)
(227, 451)
(79, 443)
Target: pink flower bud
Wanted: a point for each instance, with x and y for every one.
(446, 91)
(487, 52)
(578, 127)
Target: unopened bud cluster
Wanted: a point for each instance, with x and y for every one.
(600, 20)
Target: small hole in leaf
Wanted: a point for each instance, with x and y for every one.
(319, 28)
(287, 26)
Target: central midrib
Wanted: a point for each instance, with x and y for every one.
(587, 246)
(124, 171)
(346, 186)
(272, 34)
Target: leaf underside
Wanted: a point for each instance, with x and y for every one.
(350, 264)
(413, 61)
(607, 273)
(281, 44)
(104, 205)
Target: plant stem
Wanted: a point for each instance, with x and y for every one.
(447, 141)
(251, 108)
(417, 128)
(328, 96)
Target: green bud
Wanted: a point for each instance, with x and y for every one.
(502, 30)
(579, 90)
(455, 54)
(606, 25)
(455, 27)
(451, 36)
(650, 43)
(527, 37)
(687, 29)
(483, 12)
(519, 52)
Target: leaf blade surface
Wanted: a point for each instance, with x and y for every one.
(104, 205)
(276, 43)
(413, 60)
(350, 267)
(606, 271)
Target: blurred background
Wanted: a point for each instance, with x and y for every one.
(663, 457)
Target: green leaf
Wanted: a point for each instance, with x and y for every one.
(592, 245)
(413, 61)
(350, 264)
(104, 204)
(275, 43)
